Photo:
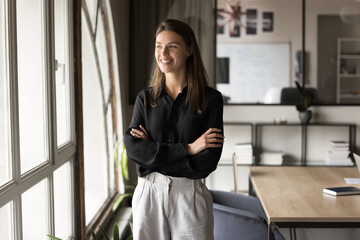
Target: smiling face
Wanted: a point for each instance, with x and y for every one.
(171, 52)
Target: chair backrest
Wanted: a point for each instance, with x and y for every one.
(290, 95)
(238, 216)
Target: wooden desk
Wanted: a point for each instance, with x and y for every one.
(292, 197)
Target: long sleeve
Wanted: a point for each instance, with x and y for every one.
(149, 154)
(171, 126)
(203, 163)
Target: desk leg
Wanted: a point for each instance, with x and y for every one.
(271, 231)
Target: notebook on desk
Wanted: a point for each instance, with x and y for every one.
(341, 191)
(348, 190)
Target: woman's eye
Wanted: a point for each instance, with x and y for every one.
(158, 46)
(172, 46)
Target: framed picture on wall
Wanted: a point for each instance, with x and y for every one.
(251, 21)
(220, 27)
(229, 21)
(268, 21)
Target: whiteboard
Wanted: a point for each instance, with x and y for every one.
(255, 69)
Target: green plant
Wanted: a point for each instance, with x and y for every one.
(306, 98)
(116, 235)
(124, 174)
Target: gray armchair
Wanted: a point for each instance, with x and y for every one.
(238, 216)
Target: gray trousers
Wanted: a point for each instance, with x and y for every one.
(173, 208)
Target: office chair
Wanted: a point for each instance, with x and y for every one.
(238, 216)
(290, 95)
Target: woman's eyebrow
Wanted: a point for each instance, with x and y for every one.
(168, 43)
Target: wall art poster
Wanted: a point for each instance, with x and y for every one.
(251, 21)
(268, 22)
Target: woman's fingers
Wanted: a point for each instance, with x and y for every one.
(140, 133)
(135, 132)
(212, 130)
(215, 135)
(212, 138)
(142, 128)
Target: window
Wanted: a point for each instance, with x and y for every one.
(36, 119)
(63, 200)
(101, 107)
(34, 213)
(31, 84)
(62, 56)
(5, 163)
(5, 219)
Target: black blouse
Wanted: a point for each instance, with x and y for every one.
(171, 125)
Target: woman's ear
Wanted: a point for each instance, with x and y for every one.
(189, 52)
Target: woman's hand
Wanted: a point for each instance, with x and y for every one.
(140, 133)
(210, 139)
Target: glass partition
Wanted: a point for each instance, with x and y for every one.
(257, 50)
(333, 44)
(264, 47)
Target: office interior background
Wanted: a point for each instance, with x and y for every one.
(69, 72)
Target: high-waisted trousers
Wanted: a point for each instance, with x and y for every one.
(172, 208)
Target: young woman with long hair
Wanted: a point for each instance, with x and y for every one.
(175, 138)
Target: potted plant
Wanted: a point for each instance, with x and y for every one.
(306, 99)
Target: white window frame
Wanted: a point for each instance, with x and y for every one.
(12, 191)
(104, 213)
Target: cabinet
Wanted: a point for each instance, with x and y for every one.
(348, 70)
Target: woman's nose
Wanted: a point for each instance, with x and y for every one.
(164, 51)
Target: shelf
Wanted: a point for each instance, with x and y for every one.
(303, 138)
(348, 67)
(231, 165)
(352, 75)
(297, 154)
(350, 56)
(349, 95)
(349, 39)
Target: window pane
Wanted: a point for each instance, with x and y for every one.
(92, 6)
(62, 76)
(109, 119)
(103, 56)
(101, 46)
(4, 105)
(34, 212)
(95, 157)
(6, 222)
(31, 83)
(62, 201)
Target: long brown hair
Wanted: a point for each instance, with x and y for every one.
(195, 70)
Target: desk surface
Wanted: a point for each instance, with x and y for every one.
(294, 194)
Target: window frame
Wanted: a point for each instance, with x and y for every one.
(71, 152)
(105, 213)
(12, 191)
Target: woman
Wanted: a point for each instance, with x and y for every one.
(175, 138)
